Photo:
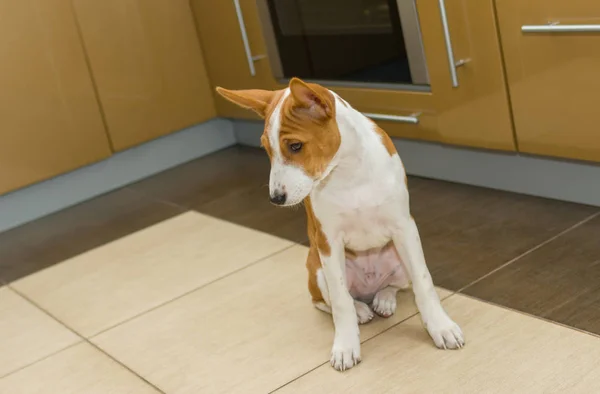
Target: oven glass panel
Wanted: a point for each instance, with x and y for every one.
(344, 40)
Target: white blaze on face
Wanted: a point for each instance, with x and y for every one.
(286, 179)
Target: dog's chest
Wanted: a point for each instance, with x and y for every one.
(365, 216)
(366, 228)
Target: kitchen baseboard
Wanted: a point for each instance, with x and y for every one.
(120, 169)
(543, 177)
(538, 176)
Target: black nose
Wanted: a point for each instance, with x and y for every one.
(278, 198)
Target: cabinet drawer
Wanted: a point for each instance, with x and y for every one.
(552, 54)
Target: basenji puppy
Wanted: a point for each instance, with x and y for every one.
(364, 243)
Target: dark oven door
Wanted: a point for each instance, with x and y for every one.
(346, 41)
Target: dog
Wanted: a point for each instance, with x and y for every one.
(364, 243)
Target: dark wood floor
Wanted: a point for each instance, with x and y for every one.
(531, 254)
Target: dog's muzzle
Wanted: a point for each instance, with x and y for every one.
(278, 198)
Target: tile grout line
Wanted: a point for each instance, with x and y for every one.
(193, 208)
(192, 291)
(531, 315)
(528, 252)
(54, 353)
(540, 318)
(298, 377)
(459, 291)
(86, 340)
(361, 344)
(157, 200)
(280, 251)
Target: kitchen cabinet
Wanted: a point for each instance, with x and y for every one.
(471, 110)
(232, 62)
(148, 67)
(552, 63)
(50, 121)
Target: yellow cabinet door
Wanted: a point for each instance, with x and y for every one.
(231, 62)
(473, 113)
(552, 52)
(148, 67)
(50, 121)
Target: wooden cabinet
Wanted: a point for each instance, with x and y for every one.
(148, 67)
(226, 57)
(474, 113)
(49, 117)
(553, 75)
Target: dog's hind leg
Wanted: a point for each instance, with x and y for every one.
(363, 311)
(384, 303)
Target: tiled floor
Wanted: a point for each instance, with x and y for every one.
(190, 282)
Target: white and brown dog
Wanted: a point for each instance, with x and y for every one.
(364, 244)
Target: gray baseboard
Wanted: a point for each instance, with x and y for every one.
(544, 177)
(119, 170)
(538, 176)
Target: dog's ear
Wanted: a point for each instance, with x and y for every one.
(254, 99)
(312, 97)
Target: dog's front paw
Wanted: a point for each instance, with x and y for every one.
(363, 312)
(384, 303)
(345, 352)
(446, 334)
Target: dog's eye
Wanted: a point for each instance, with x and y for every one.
(296, 147)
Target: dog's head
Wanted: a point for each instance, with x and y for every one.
(301, 135)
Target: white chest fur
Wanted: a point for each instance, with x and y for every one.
(365, 216)
(365, 193)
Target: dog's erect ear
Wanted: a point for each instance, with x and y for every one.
(314, 98)
(254, 99)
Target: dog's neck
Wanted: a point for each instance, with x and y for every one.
(356, 159)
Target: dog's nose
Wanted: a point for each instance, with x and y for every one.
(278, 198)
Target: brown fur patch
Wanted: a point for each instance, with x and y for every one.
(307, 117)
(318, 243)
(313, 125)
(387, 141)
(263, 102)
(315, 233)
(254, 99)
(313, 263)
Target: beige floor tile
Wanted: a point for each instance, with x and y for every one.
(77, 370)
(507, 352)
(26, 333)
(107, 285)
(248, 333)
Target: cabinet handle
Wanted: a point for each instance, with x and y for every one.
(251, 59)
(556, 27)
(453, 64)
(413, 119)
